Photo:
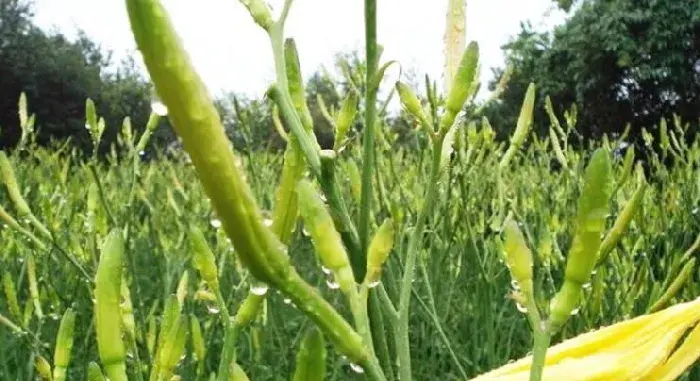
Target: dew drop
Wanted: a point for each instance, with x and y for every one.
(213, 309)
(575, 311)
(521, 308)
(267, 222)
(515, 285)
(259, 289)
(587, 286)
(215, 222)
(287, 301)
(159, 108)
(326, 270)
(142, 152)
(373, 284)
(356, 368)
(333, 285)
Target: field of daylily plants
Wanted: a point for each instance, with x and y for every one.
(537, 258)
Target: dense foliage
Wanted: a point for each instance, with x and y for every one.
(620, 61)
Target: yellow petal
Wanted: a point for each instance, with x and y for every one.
(624, 351)
(682, 359)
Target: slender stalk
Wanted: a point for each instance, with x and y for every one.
(376, 321)
(229, 350)
(358, 307)
(370, 122)
(401, 328)
(542, 338)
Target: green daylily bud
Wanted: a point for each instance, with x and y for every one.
(410, 102)
(237, 373)
(557, 148)
(10, 180)
(462, 85)
(33, 285)
(204, 295)
(344, 118)
(174, 347)
(355, 180)
(663, 135)
(90, 116)
(622, 222)
(260, 12)
(64, 345)
(286, 210)
(583, 253)
(181, 292)
(464, 79)
(518, 257)
(319, 223)
(94, 373)
(107, 310)
(22, 110)
(204, 260)
(127, 131)
(674, 287)
(197, 339)
(296, 84)
(378, 250)
(626, 170)
(43, 368)
(249, 309)
(565, 303)
(11, 296)
(523, 126)
(311, 358)
(127, 309)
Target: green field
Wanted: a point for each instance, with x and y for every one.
(460, 292)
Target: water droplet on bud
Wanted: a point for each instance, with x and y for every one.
(356, 368)
(213, 309)
(333, 285)
(258, 289)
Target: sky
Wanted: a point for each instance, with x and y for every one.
(232, 53)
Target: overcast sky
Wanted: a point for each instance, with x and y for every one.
(232, 53)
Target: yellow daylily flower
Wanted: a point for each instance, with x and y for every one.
(641, 349)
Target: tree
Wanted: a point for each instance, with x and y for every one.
(58, 75)
(620, 61)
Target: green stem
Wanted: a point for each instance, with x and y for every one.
(541, 340)
(101, 191)
(358, 307)
(376, 321)
(229, 350)
(402, 329)
(370, 116)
